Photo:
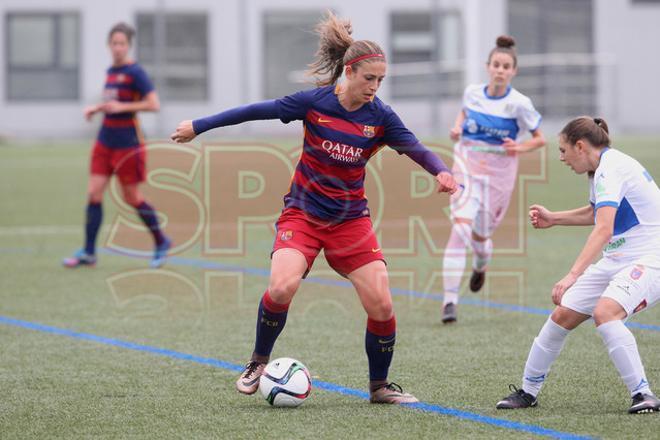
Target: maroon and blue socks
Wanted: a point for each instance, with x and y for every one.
(379, 339)
(379, 344)
(95, 218)
(93, 223)
(270, 322)
(150, 219)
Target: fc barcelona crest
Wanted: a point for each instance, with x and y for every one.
(286, 235)
(369, 131)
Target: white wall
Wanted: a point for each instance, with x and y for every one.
(629, 32)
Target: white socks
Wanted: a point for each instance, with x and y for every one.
(545, 349)
(453, 263)
(483, 251)
(620, 344)
(622, 348)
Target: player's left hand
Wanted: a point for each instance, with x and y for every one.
(112, 107)
(446, 182)
(512, 148)
(561, 287)
(184, 132)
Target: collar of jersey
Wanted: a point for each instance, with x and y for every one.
(508, 90)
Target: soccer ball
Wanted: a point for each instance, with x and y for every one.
(285, 382)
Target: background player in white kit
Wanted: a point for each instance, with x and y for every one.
(626, 203)
(486, 165)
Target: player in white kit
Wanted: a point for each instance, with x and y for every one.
(625, 211)
(493, 117)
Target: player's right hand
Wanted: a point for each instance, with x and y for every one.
(540, 217)
(561, 287)
(455, 133)
(184, 132)
(90, 111)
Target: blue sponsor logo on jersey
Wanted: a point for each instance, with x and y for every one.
(489, 128)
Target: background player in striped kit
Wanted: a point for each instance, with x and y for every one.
(326, 208)
(119, 148)
(493, 117)
(625, 211)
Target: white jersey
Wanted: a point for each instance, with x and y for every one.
(622, 182)
(489, 119)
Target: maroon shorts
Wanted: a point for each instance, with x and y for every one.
(347, 245)
(127, 163)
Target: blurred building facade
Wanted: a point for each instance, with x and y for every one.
(576, 57)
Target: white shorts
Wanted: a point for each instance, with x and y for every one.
(488, 181)
(634, 284)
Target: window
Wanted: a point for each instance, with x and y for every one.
(559, 85)
(182, 73)
(42, 56)
(436, 52)
(289, 46)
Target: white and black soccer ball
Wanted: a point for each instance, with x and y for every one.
(285, 382)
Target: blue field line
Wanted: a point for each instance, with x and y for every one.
(211, 265)
(473, 417)
(326, 386)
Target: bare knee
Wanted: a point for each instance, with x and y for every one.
(96, 188)
(283, 288)
(132, 195)
(608, 310)
(567, 318)
(132, 200)
(95, 197)
(381, 308)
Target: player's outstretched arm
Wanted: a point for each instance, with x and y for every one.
(432, 163)
(187, 130)
(542, 218)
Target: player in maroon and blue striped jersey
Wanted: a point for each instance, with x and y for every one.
(325, 207)
(119, 148)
